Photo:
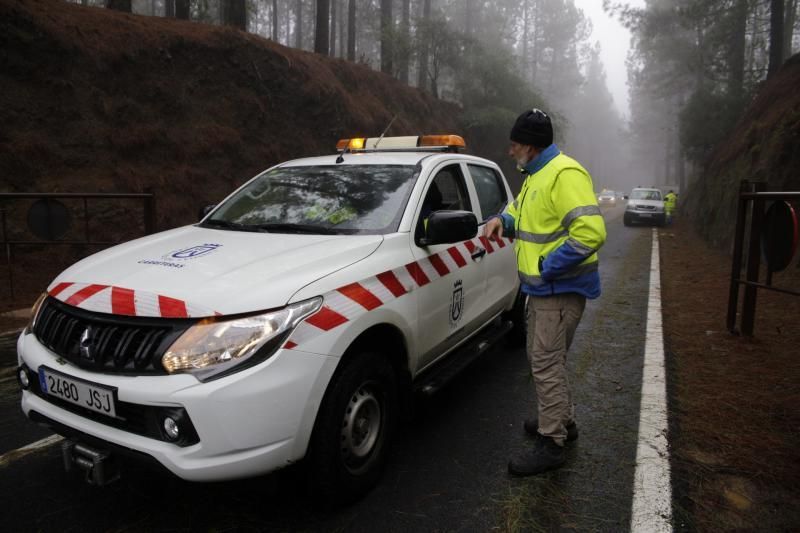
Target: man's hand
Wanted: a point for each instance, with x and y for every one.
(493, 227)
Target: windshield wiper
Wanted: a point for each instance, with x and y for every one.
(225, 224)
(296, 228)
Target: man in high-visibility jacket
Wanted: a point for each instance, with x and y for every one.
(670, 202)
(558, 229)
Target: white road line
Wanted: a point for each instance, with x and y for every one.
(8, 457)
(652, 491)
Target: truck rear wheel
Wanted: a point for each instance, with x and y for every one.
(354, 428)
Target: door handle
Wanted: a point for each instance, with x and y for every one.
(478, 253)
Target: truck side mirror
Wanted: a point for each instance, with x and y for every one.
(447, 227)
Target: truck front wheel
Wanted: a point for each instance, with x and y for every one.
(354, 427)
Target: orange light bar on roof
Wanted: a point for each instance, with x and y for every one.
(442, 140)
(356, 143)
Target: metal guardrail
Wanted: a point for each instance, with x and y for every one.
(148, 200)
(752, 197)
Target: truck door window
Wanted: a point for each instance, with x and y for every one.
(447, 191)
(449, 185)
(491, 195)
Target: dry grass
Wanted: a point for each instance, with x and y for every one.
(733, 400)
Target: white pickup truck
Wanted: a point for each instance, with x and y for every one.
(295, 320)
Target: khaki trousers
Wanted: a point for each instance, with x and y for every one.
(551, 325)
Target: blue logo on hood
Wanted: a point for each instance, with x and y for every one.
(195, 251)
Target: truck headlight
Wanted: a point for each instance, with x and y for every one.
(215, 346)
(37, 305)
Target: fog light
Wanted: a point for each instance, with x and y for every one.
(23, 379)
(171, 428)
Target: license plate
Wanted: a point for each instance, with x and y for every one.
(645, 215)
(77, 391)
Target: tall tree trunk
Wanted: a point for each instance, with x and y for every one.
(287, 25)
(234, 13)
(342, 38)
(469, 17)
(405, 36)
(535, 53)
(525, 25)
(181, 9)
(424, 46)
(298, 24)
(775, 37)
(322, 27)
(351, 30)
(789, 18)
(119, 5)
(387, 37)
(736, 50)
(334, 16)
(169, 8)
(275, 21)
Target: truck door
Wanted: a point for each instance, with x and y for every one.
(453, 281)
(500, 264)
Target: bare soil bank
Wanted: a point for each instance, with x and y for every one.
(93, 100)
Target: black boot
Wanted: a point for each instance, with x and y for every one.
(545, 455)
(532, 428)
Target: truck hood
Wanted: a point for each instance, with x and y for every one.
(194, 271)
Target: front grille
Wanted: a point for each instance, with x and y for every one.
(107, 343)
(646, 207)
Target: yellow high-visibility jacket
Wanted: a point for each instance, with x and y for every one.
(670, 201)
(558, 227)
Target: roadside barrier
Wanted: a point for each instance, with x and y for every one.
(773, 235)
(50, 220)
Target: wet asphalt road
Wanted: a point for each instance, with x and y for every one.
(447, 471)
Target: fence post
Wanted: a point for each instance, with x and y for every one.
(753, 262)
(150, 212)
(8, 255)
(736, 266)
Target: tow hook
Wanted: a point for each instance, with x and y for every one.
(99, 466)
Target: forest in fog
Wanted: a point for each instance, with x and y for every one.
(693, 65)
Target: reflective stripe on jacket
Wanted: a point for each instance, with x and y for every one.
(558, 227)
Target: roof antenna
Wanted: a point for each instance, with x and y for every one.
(340, 159)
(384, 132)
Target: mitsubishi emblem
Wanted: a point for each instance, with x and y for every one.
(86, 344)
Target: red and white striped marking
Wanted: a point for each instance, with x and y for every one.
(122, 301)
(341, 305)
(351, 301)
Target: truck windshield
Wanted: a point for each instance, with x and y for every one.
(347, 199)
(644, 194)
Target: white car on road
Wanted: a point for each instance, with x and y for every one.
(645, 206)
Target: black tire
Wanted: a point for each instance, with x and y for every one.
(354, 428)
(626, 220)
(516, 337)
